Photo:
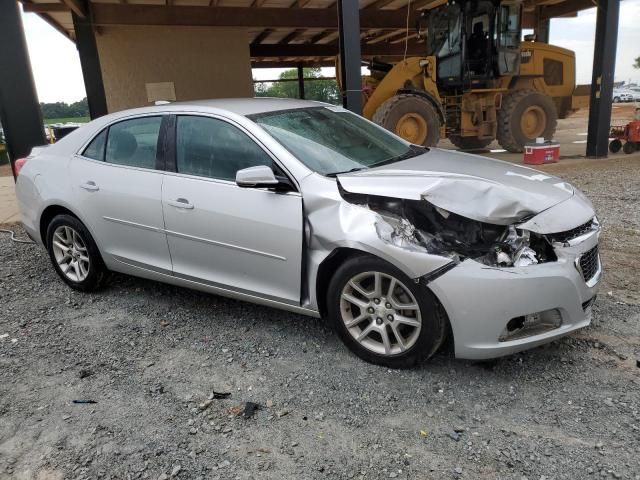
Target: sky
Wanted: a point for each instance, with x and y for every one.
(58, 77)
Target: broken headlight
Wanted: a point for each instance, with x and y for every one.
(519, 248)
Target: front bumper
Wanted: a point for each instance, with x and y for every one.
(480, 300)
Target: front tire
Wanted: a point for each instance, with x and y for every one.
(74, 254)
(524, 116)
(382, 315)
(412, 117)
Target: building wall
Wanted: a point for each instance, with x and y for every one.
(202, 62)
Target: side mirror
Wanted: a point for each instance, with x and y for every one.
(260, 176)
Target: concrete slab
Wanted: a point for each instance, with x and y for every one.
(9, 212)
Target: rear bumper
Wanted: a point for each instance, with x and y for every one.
(481, 300)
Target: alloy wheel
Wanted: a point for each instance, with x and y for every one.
(380, 313)
(70, 252)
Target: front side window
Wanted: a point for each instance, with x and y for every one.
(331, 140)
(208, 147)
(134, 142)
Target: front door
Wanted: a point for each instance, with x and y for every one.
(118, 188)
(247, 240)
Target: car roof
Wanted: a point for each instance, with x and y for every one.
(251, 106)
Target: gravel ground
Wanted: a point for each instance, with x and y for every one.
(150, 356)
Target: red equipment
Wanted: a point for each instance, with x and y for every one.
(630, 133)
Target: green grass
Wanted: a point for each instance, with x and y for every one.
(49, 121)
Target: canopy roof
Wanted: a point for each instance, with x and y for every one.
(280, 32)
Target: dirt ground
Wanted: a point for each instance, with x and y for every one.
(150, 356)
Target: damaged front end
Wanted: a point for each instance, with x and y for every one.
(420, 226)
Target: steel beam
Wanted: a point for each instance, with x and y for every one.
(604, 63)
(350, 57)
(300, 69)
(90, 64)
(20, 112)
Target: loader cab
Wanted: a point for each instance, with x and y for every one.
(474, 42)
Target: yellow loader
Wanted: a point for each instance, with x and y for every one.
(478, 81)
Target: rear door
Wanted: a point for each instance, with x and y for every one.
(247, 240)
(118, 188)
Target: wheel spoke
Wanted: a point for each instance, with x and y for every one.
(399, 337)
(413, 322)
(392, 287)
(365, 332)
(62, 239)
(64, 259)
(61, 246)
(358, 288)
(377, 289)
(84, 269)
(385, 340)
(76, 268)
(84, 258)
(355, 301)
(356, 320)
(402, 306)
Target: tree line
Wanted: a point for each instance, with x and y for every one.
(65, 110)
(321, 90)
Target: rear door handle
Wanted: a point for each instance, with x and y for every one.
(181, 203)
(90, 186)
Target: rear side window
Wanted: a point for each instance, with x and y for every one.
(95, 149)
(208, 147)
(134, 142)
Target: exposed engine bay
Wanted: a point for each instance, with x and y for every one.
(418, 225)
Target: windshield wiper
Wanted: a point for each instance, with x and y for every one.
(413, 151)
(333, 174)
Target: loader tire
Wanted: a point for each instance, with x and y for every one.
(470, 143)
(412, 117)
(524, 116)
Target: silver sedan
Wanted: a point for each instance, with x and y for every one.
(307, 207)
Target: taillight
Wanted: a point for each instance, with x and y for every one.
(19, 163)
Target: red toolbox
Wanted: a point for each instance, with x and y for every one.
(541, 152)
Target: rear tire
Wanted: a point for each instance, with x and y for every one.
(74, 254)
(629, 147)
(412, 334)
(524, 116)
(470, 143)
(615, 146)
(412, 117)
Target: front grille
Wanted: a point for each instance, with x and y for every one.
(564, 237)
(589, 263)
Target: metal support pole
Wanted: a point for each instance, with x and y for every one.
(350, 59)
(90, 64)
(604, 62)
(300, 81)
(542, 30)
(20, 112)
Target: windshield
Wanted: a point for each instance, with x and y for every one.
(332, 140)
(445, 30)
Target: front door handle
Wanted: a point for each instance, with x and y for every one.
(181, 203)
(90, 186)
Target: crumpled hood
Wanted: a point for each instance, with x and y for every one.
(475, 187)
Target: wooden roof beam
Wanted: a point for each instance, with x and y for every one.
(568, 7)
(105, 14)
(77, 7)
(44, 7)
(331, 49)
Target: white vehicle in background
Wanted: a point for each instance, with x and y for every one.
(623, 96)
